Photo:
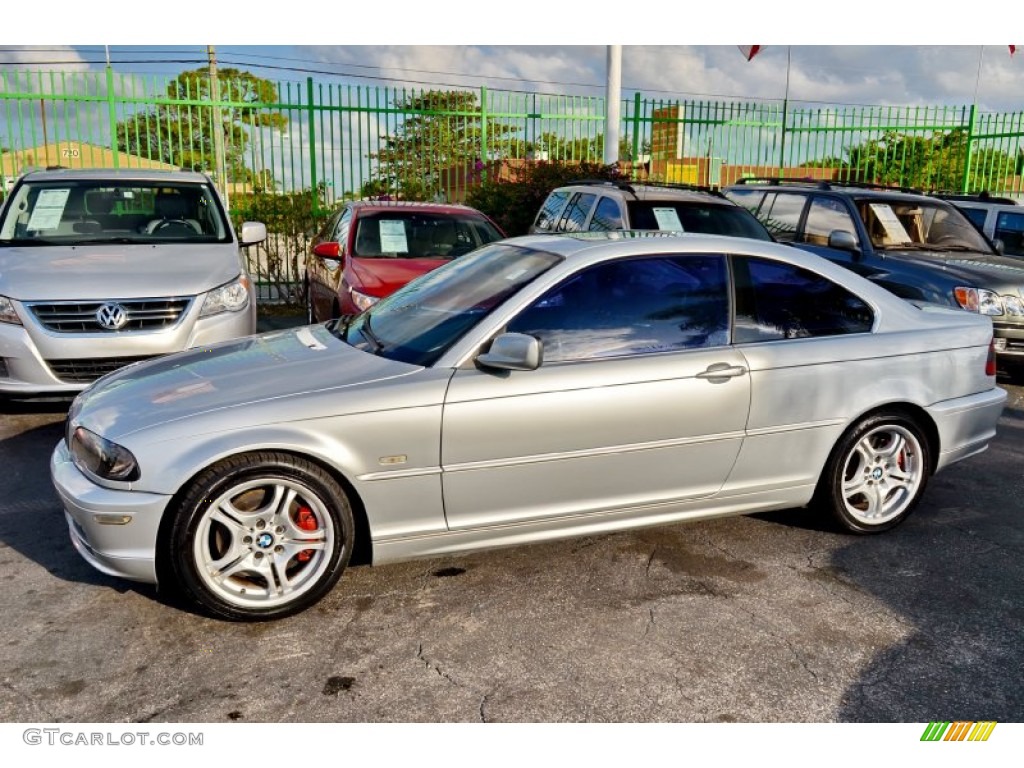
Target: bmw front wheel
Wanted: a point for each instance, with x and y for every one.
(260, 536)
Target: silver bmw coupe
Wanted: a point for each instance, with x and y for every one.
(538, 388)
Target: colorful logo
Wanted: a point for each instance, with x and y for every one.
(959, 731)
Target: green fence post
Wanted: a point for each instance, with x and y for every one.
(965, 184)
(112, 113)
(484, 155)
(312, 147)
(636, 133)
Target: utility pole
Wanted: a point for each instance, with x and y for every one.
(613, 105)
(218, 126)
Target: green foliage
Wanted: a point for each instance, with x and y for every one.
(514, 204)
(181, 132)
(290, 225)
(441, 131)
(936, 162)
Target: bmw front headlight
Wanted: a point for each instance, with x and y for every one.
(230, 297)
(7, 313)
(95, 455)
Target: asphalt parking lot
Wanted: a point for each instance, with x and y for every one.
(768, 618)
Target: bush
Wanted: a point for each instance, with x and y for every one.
(514, 204)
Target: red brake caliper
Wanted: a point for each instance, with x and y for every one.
(306, 520)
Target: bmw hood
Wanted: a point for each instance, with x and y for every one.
(116, 271)
(278, 367)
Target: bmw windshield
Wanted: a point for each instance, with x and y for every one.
(418, 323)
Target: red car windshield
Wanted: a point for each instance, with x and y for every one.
(421, 235)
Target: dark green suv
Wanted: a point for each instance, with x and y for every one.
(917, 246)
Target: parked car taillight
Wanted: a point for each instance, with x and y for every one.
(990, 363)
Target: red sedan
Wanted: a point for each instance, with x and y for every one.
(369, 249)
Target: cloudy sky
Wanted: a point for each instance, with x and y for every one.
(882, 55)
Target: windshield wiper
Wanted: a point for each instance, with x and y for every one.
(339, 326)
(370, 336)
(32, 241)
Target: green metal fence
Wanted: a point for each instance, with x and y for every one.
(287, 152)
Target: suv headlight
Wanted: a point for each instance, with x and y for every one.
(362, 300)
(98, 456)
(230, 297)
(7, 313)
(979, 300)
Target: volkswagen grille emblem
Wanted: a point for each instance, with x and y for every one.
(111, 316)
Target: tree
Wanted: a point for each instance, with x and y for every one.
(441, 132)
(936, 162)
(181, 132)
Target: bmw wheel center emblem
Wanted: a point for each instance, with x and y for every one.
(264, 540)
(111, 316)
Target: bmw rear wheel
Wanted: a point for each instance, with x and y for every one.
(261, 536)
(876, 474)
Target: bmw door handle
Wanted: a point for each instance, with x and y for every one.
(719, 372)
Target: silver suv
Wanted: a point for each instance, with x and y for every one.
(595, 205)
(1000, 218)
(103, 268)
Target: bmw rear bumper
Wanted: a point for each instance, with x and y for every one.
(966, 425)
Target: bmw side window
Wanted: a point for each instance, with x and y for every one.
(780, 301)
(781, 215)
(549, 211)
(826, 215)
(607, 216)
(633, 307)
(576, 213)
(1010, 229)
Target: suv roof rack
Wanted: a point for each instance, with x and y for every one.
(630, 186)
(826, 184)
(977, 197)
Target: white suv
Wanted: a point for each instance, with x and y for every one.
(1000, 218)
(596, 205)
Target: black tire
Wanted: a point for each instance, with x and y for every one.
(876, 474)
(259, 536)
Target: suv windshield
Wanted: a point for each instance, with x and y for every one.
(417, 234)
(678, 216)
(80, 212)
(422, 320)
(901, 225)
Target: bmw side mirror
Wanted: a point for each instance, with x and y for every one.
(842, 240)
(513, 352)
(253, 232)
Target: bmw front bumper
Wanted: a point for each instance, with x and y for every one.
(114, 530)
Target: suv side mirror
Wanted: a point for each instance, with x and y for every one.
(513, 352)
(999, 245)
(842, 240)
(543, 222)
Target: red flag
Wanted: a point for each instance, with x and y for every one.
(1013, 49)
(749, 51)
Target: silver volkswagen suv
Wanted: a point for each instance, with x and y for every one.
(102, 268)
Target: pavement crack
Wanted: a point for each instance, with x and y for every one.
(483, 707)
(651, 560)
(650, 622)
(433, 667)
